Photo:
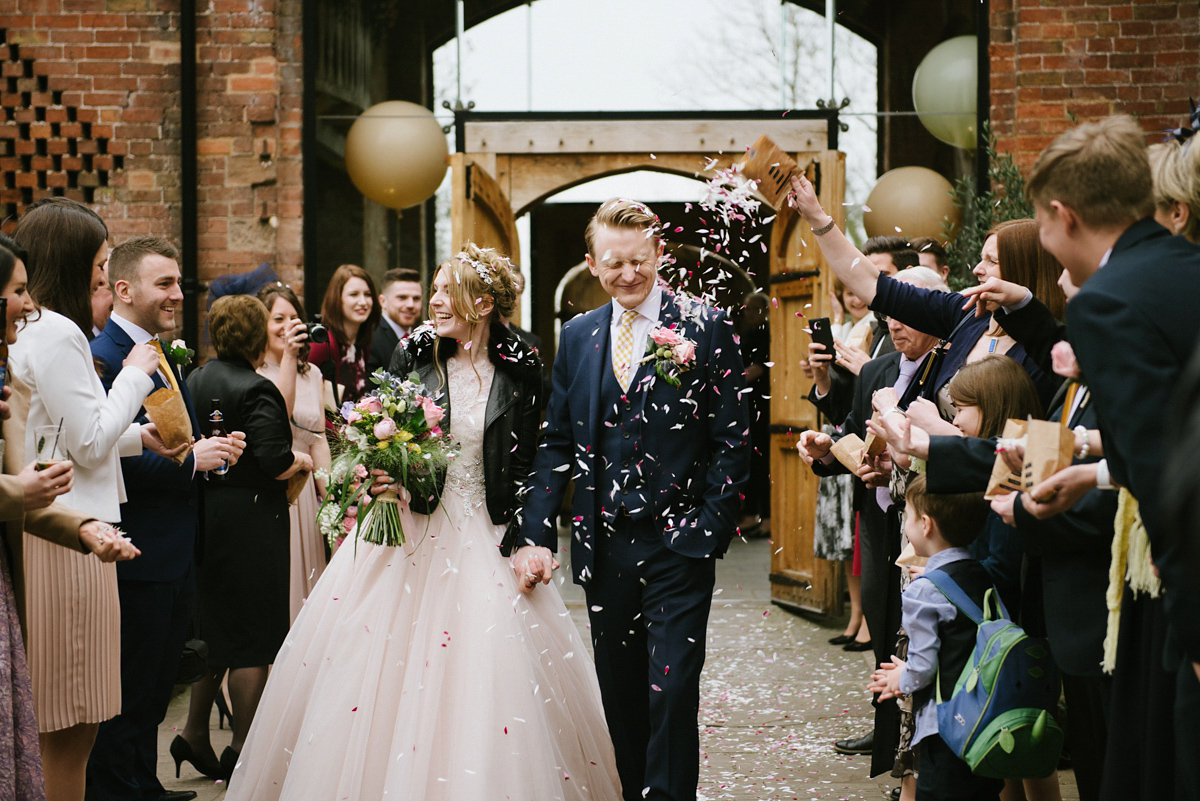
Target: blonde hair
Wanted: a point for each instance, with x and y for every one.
(621, 213)
(1100, 170)
(1176, 173)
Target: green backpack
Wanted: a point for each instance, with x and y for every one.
(999, 718)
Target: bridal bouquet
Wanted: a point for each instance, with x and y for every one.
(393, 428)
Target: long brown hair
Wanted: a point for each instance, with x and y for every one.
(331, 307)
(1000, 387)
(62, 238)
(268, 294)
(1024, 261)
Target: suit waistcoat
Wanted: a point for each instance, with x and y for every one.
(620, 458)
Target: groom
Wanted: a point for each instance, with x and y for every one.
(658, 470)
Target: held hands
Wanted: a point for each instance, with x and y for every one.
(992, 294)
(813, 446)
(532, 564)
(43, 486)
(886, 680)
(884, 399)
(108, 544)
(143, 357)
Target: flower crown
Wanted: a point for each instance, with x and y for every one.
(482, 270)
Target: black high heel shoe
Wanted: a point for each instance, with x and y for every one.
(207, 764)
(223, 712)
(229, 760)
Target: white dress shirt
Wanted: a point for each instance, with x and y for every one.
(648, 311)
(51, 355)
(401, 331)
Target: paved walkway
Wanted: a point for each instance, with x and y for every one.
(774, 696)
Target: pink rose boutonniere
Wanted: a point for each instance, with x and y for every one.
(672, 353)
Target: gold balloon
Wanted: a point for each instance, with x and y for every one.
(396, 154)
(946, 82)
(911, 202)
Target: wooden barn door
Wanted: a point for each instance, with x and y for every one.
(480, 211)
(799, 286)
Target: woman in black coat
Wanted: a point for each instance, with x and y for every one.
(242, 572)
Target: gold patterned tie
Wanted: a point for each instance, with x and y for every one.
(623, 350)
(163, 364)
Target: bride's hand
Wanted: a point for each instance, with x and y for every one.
(531, 564)
(381, 482)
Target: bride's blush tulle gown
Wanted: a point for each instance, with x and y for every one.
(430, 675)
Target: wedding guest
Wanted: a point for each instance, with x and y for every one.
(1175, 168)
(102, 305)
(242, 584)
(932, 254)
(430, 670)
(400, 298)
(351, 313)
(969, 336)
(160, 514)
(26, 502)
(287, 366)
(72, 603)
(1093, 192)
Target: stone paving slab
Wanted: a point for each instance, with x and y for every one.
(774, 696)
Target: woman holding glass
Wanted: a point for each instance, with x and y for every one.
(71, 600)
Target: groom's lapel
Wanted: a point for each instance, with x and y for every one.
(596, 350)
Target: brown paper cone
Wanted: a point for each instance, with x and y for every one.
(167, 411)
(909, 557)
(1051, 447)
(772, 168)
(872, 444)
(295, 485)
(1003, 479)
(849, 451)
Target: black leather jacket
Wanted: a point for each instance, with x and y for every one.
(512, 419)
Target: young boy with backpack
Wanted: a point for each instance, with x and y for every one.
(976, 659)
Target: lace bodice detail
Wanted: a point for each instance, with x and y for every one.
(469, 389)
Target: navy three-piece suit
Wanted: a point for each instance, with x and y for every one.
(161, 516)
(658, 472)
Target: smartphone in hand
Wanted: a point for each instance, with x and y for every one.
(822, 333)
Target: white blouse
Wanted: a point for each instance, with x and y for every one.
(52, 356)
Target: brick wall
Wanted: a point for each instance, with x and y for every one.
(89, 93)
(1083, 61)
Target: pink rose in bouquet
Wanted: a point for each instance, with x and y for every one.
(372, 405)
(666, 336)
(684, 352)
(433, 412)
(385, 429)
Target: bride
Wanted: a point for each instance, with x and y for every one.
(434, 670)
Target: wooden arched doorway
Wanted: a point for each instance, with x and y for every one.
(506, 164)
